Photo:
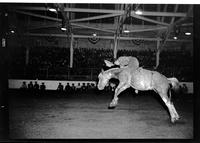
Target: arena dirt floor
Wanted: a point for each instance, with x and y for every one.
(86, 116)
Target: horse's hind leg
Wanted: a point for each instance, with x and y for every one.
(177, 117)
(173, 108)
(173, 114)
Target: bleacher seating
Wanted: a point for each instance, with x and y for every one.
(51, 62)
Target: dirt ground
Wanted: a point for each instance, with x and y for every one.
(86, 116)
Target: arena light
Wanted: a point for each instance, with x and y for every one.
(138, 12)
(63, 28)
(52, 9)
(126, 31)
(175, 38)
(12, 31)
(94, 34)
(187, 33)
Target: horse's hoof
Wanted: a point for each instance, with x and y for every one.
(178, 118)
(174, 120)
(111, 107)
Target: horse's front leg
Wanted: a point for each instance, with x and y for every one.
(118, 90)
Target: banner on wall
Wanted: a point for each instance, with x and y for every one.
(137, 42)
(52, 40)
(94, 39)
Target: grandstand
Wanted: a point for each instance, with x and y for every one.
(66, 44)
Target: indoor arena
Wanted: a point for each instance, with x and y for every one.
(66, 79)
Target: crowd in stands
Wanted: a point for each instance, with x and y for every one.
(48, 61)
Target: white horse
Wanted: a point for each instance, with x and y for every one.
(140, 79)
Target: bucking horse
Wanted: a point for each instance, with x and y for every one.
(140, 79)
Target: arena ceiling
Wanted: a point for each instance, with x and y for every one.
(155, 22)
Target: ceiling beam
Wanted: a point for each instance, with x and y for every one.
(187, 24)
(148, 29)
(122, 19)
(145, 13)
(95, 17)
(102, 37)
(165, 9)
(90, 36)
(175, 10)
(74, 20)
(56, 19)
(43, 26)
(170, 28)
(38, 15)
(148, 19)
(168, 14)
(65, 19)
(89, 27)
(104, 27)
(59, 20)
(189, 13)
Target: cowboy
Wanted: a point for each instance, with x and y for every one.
(124, 61)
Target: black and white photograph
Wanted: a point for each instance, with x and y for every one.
(98, 70)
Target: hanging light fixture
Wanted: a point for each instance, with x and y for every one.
(51, 7)
(138, 12)
(63, 27)
(52, 10)
(94, 34)
(187, 33)
(12, 31)
(126, 30)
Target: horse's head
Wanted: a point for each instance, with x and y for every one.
(104, 77)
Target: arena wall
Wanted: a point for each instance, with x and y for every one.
(50, 84)
(53, 84)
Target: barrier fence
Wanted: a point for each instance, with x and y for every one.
(53, 84)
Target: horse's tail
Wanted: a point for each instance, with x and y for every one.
(174, 84)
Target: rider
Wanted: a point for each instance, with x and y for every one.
(124, 61)
(128, 61)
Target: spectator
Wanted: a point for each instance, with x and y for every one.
(36, 88)
(83, 88)
(78, 88)
(73, 87)
(42, 89)
(88, 87)
(93, 87)
(68, 88)
(23, 86)
(60, 87)
(30, 86)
